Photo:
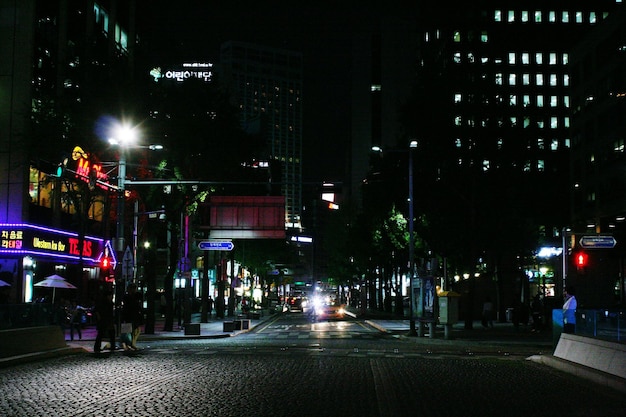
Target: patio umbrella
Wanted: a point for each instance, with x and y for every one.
(54, 282)
(4, 284)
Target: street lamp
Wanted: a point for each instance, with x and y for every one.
(412, 331)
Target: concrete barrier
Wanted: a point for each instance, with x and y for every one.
(15, 342)
(601, 355)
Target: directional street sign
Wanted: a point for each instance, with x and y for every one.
(597, 242)
(215, 245)
(127, 264)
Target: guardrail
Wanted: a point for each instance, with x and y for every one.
(605, 324)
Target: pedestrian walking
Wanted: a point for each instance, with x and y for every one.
(133, 313)
(537, 313)
(487, 316)
(569, 310)
(210, 305)
(105, 322)
(77, 316)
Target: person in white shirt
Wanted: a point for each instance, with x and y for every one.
(569, 310)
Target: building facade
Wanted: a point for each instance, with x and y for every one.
(56, 54)
(266, 85)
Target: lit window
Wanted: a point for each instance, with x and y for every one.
(566, 79)
(540, 124)
(540, 143)
(526, 100)
(618, 146)
(484, 60)
(485, 165)
(375, 87)
(457, 36)
(539, 79)
(554, 122)
(526, 166)
(499, 78)
(499, 143)
(539, 101)
(512, 58)
(513, 121)
(470, 57)
(538, 16)
(497, 16)
(457, 142)
(525, 58)
(553, 101)
(579, 17)
(540, 165)
(524, 16)
(457, 120)
(484, 37)
(457, 98)
(553, 80)
(457, 57)
(566, 101)
(526, 122)
(566, 121)
(511, 16)
(552, 58)
(511, 79)
(525, 79)
(513, 99)
(551, 16)
(539, 58)
(554, 145)
(565, 57)
(567, 142)
(565, 17)
(592, 17)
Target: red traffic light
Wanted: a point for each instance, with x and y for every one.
(581, 259)
(105, 263)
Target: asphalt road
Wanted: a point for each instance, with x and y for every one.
(289, 366)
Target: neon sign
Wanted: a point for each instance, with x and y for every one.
(28, 239)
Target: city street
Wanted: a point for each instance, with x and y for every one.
(290, 366)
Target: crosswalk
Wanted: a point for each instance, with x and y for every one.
(317, 330)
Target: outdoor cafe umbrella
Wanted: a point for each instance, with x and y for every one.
(54, 282)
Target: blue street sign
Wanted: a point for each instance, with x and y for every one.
(597, 242)
(215, 245)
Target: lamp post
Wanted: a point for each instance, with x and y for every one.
(412, 330)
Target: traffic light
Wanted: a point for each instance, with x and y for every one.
(581, 259)
(105, 263)
(61, 168)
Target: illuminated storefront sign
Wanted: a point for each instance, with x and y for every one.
(200, 70)
(28, 239)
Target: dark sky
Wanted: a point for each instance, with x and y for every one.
(323, 35)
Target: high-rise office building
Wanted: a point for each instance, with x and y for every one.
(266, 85)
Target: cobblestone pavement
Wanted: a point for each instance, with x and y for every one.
(228, 377)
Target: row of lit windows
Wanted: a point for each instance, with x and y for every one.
(551, 16)
(539, 165)
(538, 100)
(514, 58)
(541, 144)
(553, 122)
(533, 79)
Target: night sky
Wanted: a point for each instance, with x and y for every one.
(323, 36)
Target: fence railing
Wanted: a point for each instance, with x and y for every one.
(609, 324)
(15, 316)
